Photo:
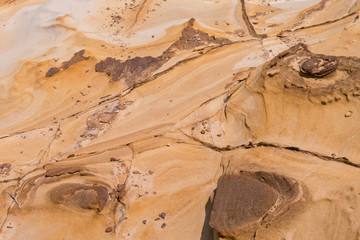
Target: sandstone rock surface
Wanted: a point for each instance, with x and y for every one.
(162, 119)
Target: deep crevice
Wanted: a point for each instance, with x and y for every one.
(248, 24)
(251, 145)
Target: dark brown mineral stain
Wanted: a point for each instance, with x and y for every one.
(192, 38)
(319, 66)
(138, 69)
(243, 200)
(79, 195)
(78, 57)
(52, 71)
(132, 70)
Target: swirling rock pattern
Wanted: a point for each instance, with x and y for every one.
(120, 119)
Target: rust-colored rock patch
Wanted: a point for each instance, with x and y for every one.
(132, 70)
(78, 57)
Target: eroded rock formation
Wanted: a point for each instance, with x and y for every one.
(247, 200)
(179, 120)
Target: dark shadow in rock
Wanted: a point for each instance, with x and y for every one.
(207, 231)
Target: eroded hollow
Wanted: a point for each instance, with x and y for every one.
(245, 200)
(81, 196)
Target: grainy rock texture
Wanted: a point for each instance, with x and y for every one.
(169, 119)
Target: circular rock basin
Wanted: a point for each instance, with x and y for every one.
(240, 200)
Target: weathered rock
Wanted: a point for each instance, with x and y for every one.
(139, 69)
(78, 57)
(192, 38)
(133, 70)
(246, 200)
(319, 66)
(264, 94)
(52, 71)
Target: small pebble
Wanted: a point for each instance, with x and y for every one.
(163, 225)
(348, 114)
(144, 222)
(108, 229)
(162, 215)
